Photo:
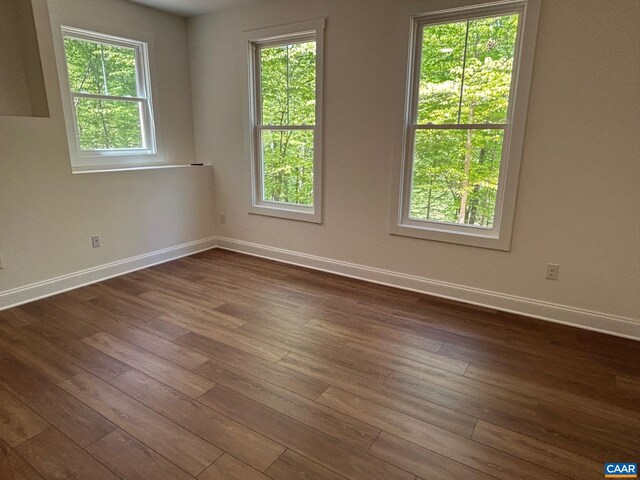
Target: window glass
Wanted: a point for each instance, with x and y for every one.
(287, 106)
(288, 166)
(101, 69)
(109, 92)
(464, 83)
(288, 84)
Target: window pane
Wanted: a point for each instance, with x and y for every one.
(101, 69)
(288, 84)
(108, 124)
(465, 70)
(288, 166)
(441, 73)
(487, 79)
(455, 176)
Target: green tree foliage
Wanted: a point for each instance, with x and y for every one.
(288, 98)
(96, 68)
(465, 78)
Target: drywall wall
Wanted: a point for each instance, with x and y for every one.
(47, 214)
(21, 84)
(579, 195)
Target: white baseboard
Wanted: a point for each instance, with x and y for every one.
(53, 286)
(552, 312)
(577, 317)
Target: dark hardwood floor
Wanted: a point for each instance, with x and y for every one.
(223, 366)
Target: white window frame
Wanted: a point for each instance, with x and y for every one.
(117, 159)
(292, 33)
(499, 236)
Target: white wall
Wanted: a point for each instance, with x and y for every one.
(47, 214)
(579, 196)
(579, 200)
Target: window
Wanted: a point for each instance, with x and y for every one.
(286, 120)
(468, 88)
(109, 100)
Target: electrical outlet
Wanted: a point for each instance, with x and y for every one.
(552, 271)
(1, 262)
(95, 241)
(223, 218)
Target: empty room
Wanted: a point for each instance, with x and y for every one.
(319, 239)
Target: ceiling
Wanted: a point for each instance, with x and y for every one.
(188, 8)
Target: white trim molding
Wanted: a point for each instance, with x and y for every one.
(576, 317)
(53, 286)
(498, 236)
(301, 32)
(84, 160)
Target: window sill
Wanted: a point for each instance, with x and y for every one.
(472, 237)
(83, 170)
(288, 214)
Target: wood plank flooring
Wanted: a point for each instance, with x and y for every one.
(222, 366)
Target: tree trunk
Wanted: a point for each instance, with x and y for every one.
(464, 194)
(475, 201)
(105, 128)
(429, 197)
